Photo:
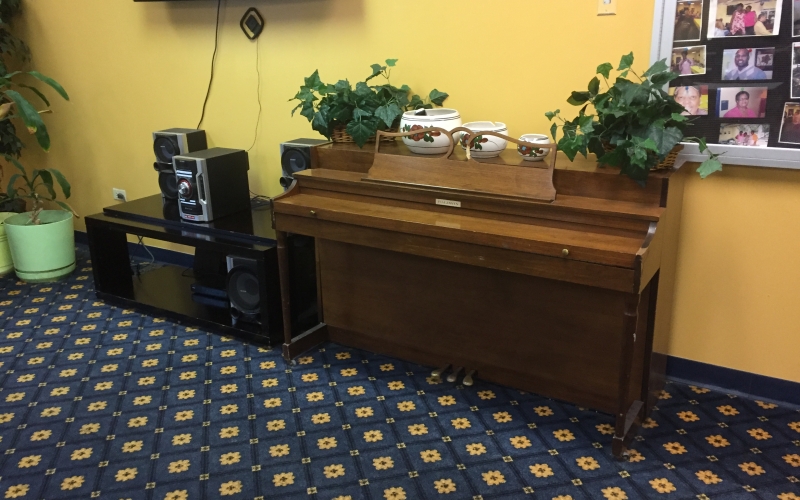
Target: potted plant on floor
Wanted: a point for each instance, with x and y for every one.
(636, 125)
(344, 114)
(41, 242)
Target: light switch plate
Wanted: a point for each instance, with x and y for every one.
(607, 7)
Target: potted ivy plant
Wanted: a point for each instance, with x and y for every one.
(41, 242)
(361, 111)
(632, 124)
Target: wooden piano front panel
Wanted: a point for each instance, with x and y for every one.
(554, 338)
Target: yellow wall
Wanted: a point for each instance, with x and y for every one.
(738, 276)
(132, 68)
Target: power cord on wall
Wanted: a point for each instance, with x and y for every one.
(258, 94)
(213, 64)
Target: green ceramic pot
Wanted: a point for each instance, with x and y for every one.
(6, 264)
(42, 252)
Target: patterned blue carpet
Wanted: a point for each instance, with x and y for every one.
(102, 402)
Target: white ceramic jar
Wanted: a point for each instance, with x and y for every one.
(531, 153)
(485, 146)
(431, 143)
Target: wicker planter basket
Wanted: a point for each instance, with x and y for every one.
(340, 135)
(666, 164)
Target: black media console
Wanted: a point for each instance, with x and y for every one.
(168, 290)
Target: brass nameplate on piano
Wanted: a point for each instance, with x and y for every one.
(448, 203)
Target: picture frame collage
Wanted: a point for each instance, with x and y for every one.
(739, 67)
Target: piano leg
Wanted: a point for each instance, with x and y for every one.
(628, 417)
(292, 347)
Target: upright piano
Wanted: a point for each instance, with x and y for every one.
(568, 297)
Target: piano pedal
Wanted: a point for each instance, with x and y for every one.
(468, 381)
(439, 371)
(454, 376)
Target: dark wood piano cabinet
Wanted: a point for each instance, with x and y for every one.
(569, 299)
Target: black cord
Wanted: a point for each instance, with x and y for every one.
(138, 266)
(213, 63)
(258, 94)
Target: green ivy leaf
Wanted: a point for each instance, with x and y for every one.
(388, 113)
(586, 124)
(308, 111)
(363, 90)
(578, 98)
(313, 81)
(391, 62)
(416, 102)
(437, 97)
(658, 67)
(341, 85)
(362, 130)
(376, 70)
(320, 122)
(554, 130)
(605, 69)
(626, 62)
(679, 117)
(552, 114)
(664, 78)
(594, 86)
(664, 139)
(708, 167)
(359, 113)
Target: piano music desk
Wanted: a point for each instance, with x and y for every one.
(570, 299)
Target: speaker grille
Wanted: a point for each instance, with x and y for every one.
(165, 147)
(243, 290)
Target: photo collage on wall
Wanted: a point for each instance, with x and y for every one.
(739, 67)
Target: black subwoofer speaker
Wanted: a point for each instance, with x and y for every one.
(244, 289)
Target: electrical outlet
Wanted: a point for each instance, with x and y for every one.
(606, 7)
(119, 194)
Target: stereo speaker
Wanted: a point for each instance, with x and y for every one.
(244, 289)
(166, 145)
(296, 157)
(212, 183)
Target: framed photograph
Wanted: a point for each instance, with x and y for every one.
(744, 134)
(796, 70)
(692, 97)
(689, 60)
(689, 21)
(727, 18)
(742, 102)
(748, 64)
(790, 125)
(796, 18)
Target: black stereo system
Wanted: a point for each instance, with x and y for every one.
(212, 183)
(166, 145)
(295, 157)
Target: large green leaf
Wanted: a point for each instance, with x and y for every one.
(708, 167)
(626, 62)
(11, 190)
(578, 98)
(605, 69)
(554, 130)
(362, 89)
(308, 111)
(388, 113)
(49, 81)
(47, 181)
(586, 124)
(438, 97)
(658, 67)
(31, 118)
(320, 123)
(376, 70)
(313, 81)
(38, 93)
(62, 182)
(663, 78)
(664, 139)
(594, 86)
(342, 85)
(359, 113)
(362, 130)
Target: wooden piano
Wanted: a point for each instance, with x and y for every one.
(552, 296)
